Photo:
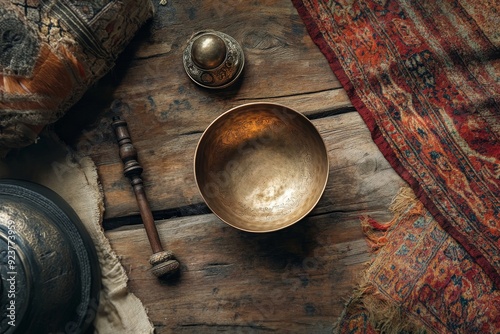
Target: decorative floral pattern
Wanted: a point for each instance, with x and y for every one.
(425, 78)
(432, 280)
(424, 75)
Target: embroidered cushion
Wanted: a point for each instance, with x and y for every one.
(51, 51)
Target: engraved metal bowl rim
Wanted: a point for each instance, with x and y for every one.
(217, 33)
(252, 104)
(68, 225)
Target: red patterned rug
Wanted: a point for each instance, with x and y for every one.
(425, 77)
(421, 281)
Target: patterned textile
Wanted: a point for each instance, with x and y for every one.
(425, 77)
(51, 51)
(422, 280)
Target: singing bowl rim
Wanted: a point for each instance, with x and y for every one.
(315, 132)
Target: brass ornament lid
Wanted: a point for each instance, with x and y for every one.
(213, 59)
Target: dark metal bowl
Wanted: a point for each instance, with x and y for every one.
(261, 167)
(50, 277)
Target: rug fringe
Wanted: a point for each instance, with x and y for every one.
(402, 201)
(375, 231)
(383, 316)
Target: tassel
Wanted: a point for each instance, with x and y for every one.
(376, 232)
(402, 201)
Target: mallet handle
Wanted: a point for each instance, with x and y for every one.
(133, 170)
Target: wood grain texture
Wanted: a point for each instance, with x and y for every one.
(167, 112)
(359, 174)
(292, 281)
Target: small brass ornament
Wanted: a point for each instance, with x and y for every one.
(213, 59)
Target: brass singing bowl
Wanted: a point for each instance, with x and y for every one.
(261, 167)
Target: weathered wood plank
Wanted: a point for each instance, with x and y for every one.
(295, 280)
(168, 112)
(359, 174)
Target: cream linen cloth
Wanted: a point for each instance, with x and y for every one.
(52, 164)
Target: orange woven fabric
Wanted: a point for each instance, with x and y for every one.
(51, 51)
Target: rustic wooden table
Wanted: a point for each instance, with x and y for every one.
(292, 281)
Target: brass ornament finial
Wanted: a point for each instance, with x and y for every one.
(213, 59)
(208, 51)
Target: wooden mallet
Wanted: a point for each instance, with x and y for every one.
(163, 262)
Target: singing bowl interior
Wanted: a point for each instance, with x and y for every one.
(261, 167)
